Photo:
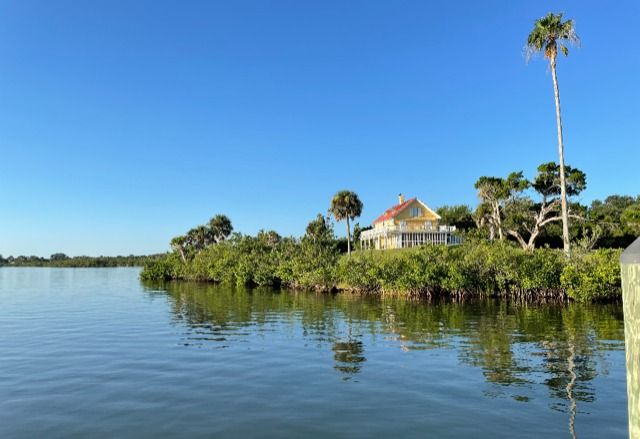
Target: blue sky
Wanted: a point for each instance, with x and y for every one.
(125, 123)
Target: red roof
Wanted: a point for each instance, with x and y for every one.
(393, 211)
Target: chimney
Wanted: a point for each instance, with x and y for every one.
(400, 198)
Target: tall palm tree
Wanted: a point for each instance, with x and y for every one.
(550, 33)
(345, 205)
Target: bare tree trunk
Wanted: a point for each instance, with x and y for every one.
(519, 238)
(563, 186)
(348, 237)
(184, 259)
(498, 220)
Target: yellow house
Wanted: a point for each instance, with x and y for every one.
(407, 224)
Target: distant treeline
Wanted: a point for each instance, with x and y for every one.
(62, 260)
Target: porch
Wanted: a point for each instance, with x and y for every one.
(394, 237)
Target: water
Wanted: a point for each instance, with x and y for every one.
(95, 353)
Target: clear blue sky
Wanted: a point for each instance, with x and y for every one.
(124, 123)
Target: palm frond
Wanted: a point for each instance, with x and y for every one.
(547, 33)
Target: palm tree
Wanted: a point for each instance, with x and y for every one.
(220, 227)
(550, 33)
(197, 238)
(345, 205)
(177, 244)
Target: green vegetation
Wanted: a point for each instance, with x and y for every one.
(479, 268)
(508, 210)
(476, 268)
(529, 212)
(264, 260)
(62, 260)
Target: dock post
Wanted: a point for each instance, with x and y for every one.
(630, 270)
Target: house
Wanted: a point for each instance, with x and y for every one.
(408, 224)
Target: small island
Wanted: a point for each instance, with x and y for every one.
(509, 246)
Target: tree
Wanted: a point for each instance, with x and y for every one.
(198, 237)
(549, 33)
(270, 238)
(631, 218)
(526, 217)
(320, 230)
(345, 205)
(610, 216)
(357, 231)
(178, 244)
(494, 192)
(459, 216)
(58, 257)
(220, 228)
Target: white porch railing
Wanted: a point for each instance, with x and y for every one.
(403, 237)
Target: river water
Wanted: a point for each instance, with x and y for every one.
(96, 353)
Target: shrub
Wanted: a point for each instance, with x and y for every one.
(162, 268)
(593, 276)
(476, 267)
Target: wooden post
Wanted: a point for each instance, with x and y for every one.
(630, 270)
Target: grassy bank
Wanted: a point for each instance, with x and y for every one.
(476, 268)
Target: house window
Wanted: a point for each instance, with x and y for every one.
(428, 225)
(415, 211)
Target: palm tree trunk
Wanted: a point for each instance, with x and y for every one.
(563, 186)
(348, 238)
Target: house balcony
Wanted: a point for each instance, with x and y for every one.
(401, 236)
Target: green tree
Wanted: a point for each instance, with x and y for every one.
(494, 193)
(177, 244)
(270, 238)
(58, 257)
(459, 216)
(549, 35)
(357, 231)
(345, 205)
(320, 230)
(631, 218)
(526, 218)
(617, 226)
(220, 228)
(198, 237)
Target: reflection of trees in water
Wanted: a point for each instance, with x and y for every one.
(490, 346)
(511, 344)
(348, 356)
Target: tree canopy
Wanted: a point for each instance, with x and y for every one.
(550, 33)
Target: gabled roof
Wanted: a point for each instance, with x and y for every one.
(395, 210)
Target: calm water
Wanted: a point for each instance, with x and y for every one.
(95, 353)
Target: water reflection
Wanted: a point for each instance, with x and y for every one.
(349, 356)
(518, 348)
